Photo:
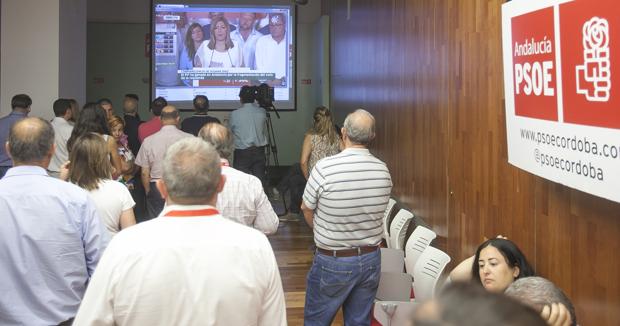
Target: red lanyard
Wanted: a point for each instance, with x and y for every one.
(193, 213)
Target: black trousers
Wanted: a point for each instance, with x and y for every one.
(295, 182)
(252, 161)
(154, 202)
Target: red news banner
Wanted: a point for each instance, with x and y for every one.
(559, 79)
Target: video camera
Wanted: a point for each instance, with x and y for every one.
(264, 95)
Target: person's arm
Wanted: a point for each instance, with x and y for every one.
(145, 177)
(97, 307)
(308, 214)
(311, 195)
(266, 219)
(127, 218)
(273, 308)
(306, 149)
(462, 272)
(115, 159)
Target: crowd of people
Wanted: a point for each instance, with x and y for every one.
(77, 249)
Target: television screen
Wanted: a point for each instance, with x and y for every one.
(213, 50)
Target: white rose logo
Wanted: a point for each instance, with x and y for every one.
(595, 34)
(594, 76)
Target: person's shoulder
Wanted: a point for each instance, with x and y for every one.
(263, 39)
(114, 186)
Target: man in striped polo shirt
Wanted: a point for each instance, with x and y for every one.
(343, 202)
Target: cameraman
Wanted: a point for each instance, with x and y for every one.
(249, 127)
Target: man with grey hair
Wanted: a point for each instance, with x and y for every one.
(51, 237)
(189, 266)
(243, 199)
(344, 201)
(151, 156)
(546, 298)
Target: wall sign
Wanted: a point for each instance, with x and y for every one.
(562, 87)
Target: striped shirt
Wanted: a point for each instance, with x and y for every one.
(348, 193)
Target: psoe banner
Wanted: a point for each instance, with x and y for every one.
(562, 87)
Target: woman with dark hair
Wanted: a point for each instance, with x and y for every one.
(496, 264)
(90, 169)
(193, 39)
(221, 51)
(320, 141)
(93, 119)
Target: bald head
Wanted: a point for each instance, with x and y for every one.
(31, 142)
(169, 115)
(220, 137)
(359, 127)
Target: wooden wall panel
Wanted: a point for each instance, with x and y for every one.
(431, 74)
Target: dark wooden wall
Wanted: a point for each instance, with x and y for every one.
(431, 73)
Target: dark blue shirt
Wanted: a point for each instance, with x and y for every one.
(5, 126)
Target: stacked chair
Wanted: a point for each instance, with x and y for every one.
(409, 263)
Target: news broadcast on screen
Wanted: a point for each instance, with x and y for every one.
(213, 50)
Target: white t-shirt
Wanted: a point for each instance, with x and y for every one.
(111, 199)
(193, 270)
(216, 59)
(271, 56)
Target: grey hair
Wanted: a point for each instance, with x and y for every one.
(220, 137)
(191, 171)
(357, 130)
(30, 140)
(538, 292)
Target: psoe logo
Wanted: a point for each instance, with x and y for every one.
(594, 76)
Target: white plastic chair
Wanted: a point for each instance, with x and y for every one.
(418, 241)
(386, 214)
(392, 260)
(394, 287)
(427, 271)
(398, 229)
(396, 313)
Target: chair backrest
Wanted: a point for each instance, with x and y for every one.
(394, 287)
(419, 240)
(427, 271)
(392, 260)
(386, 216)
(398, 229)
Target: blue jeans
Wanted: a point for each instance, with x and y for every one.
(350, 282)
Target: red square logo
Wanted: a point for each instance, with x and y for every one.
(588, 74)
(534, 70)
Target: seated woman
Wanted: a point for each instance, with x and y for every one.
(93, 119)
(496, 264)
(320, 141)
(128, 168)
(90, 169)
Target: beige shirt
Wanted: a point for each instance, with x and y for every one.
(152, 151)
(199, 270)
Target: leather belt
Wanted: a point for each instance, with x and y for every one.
(358, 251)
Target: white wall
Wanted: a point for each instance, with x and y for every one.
(29, 53)
(42, 52)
